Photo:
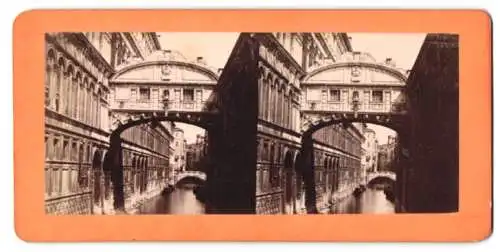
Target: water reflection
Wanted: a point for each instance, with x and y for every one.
(372, 201)
(180, 201)
(183, 201)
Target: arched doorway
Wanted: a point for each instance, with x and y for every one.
(132, 174)
(137, 173)
(83, 171)
(288, 183)
(140, 171)
(331, 176)
(96, 168)
(326, 171)
(298, 183)
(107, 178)
(145, 176)
(335, 174)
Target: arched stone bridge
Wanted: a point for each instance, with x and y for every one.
(164, 87)
(190, 174)
(381, 174)
(355, 88)
(124, 120)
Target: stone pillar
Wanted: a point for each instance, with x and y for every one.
(232, 179)
(114, 161)
(210, 170)
(402, 168)
(433, 99)
(307, 170)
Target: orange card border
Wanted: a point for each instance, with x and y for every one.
(471, 223)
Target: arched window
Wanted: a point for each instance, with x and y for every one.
(275, 102)
(98, 108)
(88, 103)
(83, 99)
(89, 153)
(76, 94)
(261, 85)
(279, 105)
(50, 77)
(61, 66)
(268, 96)
(286, 110)
(80, 98)
(68, 90)
(92, 106)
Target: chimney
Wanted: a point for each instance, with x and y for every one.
(388, 61)
(219, 71)
(200, 60)
(165, 54)
(356, 55)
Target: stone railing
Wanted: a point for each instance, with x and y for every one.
(74, 204)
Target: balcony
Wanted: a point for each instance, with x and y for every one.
(158, 105)
(354, 106)
(184, 105)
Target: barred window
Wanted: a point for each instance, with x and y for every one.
(377, 96)
(334, 95)
(144, 94)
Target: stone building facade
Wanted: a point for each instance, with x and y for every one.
(77, 108)
(196, 154)
(369, 160)
(429, 149)
(284, 59)
(179, 155)
(387, 154)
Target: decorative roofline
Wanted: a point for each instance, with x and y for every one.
(202, 69)
(390, 70)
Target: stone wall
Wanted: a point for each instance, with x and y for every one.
(431, 177)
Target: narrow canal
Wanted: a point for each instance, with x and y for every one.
(371, 201)
(180, 201)
(183, 201)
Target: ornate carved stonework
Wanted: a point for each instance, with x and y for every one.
(311, 121)
(123, 120)
(355, 71)
(269, 204)
(166, 71)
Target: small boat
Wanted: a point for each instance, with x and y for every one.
(200, 193)
(168, 189)
(389, 195)
(357, 192)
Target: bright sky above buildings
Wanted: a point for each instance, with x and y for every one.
(401, 47)
(215, 48)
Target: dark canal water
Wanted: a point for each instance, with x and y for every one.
(371, 201)
(183, 201)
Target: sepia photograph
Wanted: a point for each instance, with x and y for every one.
(278, 123)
